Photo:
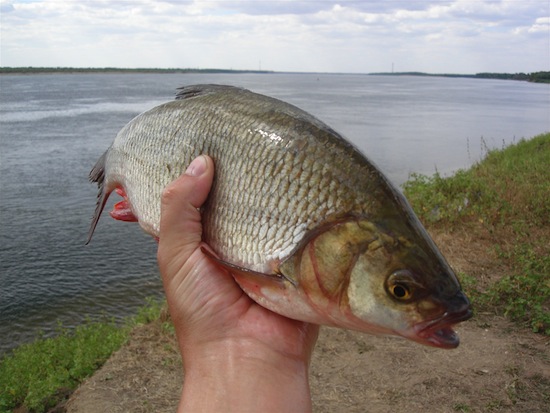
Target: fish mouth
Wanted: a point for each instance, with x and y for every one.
(438, 332)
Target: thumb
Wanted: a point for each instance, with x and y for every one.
(180, 222)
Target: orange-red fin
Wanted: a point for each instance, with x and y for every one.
(250, 278)
(123, 212)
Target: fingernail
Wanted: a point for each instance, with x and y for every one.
(197, 167)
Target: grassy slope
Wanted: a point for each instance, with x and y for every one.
(41, 374)
(507, 195)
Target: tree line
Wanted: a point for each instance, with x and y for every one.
(537, 77)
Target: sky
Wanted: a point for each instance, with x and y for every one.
(435, 36)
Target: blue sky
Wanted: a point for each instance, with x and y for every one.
(438, 36)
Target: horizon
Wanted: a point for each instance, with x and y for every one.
(219, 69)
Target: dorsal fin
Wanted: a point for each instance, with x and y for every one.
(97, 174)
(187, 92)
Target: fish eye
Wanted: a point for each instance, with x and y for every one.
(400, 285)
(400, 291)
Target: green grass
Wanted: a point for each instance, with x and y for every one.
(509, 186)
(33, 374)
(507, 195)
(525, 295)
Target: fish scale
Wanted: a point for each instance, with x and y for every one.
(305, 223)
(251, 159)
(251, 153)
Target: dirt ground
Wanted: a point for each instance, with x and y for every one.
(499, 366)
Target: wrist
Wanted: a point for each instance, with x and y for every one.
(244, 376)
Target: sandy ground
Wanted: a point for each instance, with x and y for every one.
(499, 366)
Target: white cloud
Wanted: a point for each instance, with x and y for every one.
(345, 36)
(541, 25)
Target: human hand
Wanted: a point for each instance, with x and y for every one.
(237, 355)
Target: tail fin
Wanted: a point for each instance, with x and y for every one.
(97, 174)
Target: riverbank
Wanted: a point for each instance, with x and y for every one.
(491, 222)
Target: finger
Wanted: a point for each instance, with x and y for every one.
(180, 223)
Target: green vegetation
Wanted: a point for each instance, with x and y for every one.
(41, 374)
(537, 77)
(505, 197)
(540, 77)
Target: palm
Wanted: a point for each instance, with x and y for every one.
(214, 308)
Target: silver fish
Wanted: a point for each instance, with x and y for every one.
(306, 224)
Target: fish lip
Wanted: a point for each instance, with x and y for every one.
(438, 332)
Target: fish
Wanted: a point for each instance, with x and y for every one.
(306, 224)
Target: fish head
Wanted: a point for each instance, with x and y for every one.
(365, 277)
(411, 291)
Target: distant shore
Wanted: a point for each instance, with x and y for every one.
(34, 70)
(536, 77)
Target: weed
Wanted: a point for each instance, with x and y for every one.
(462, 407)
(33, 373)
(150, 312)
(508, 185)
(494, 405)
(525, 295)
(470, 286)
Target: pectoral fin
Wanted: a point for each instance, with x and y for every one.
(247, 278)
